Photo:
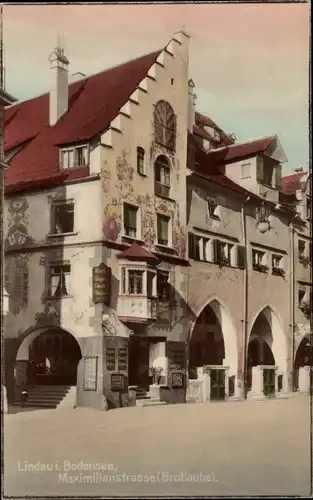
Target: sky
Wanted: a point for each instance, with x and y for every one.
(249, 62)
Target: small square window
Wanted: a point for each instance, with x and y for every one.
(258, 261)
(277, 265)
(81, 156)
(62, 217)
(245, 171)
(212, 207)
(60, 280)
(68, 159)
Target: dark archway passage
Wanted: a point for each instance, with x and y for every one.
(303, 358)
(206, 346)
(53, 359)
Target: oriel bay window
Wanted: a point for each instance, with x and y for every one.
(130, 220)
(60, 274)
(62, 216)
(137, 282)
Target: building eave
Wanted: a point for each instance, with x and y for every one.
(6, 99)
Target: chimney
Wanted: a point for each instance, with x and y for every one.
(59, 85)
(191, 106)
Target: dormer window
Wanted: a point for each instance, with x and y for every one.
(268, 172)
(74, 157)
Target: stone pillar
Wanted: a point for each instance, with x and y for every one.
(257, 383)
(205, 378)
(226, 384)
(304, 379)
(158, 358)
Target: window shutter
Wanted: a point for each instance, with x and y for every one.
(191, 245)
(259, 169)
(241, 257)
(216, 251)
(278, 170)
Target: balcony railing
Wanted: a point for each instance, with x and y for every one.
(161, 189)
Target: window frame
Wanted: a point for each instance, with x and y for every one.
(164, 135)
(212, 207)
(64, 274)
(162, 188)
(168, 219)
(259, 266)
(137, 209)
(53, 215)
(246, 164)
(74, 150)
(167, 296)
(141, 161)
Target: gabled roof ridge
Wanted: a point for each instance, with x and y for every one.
(81, 80)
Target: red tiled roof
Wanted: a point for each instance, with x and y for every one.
(236, 152)
(207, 170)
(291, 183)
(137, 252)
(93, 103)
(205, 121)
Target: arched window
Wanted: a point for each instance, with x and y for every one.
(165, 125)
(162, 177)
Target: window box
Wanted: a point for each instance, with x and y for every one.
(277, 271)
(304, 260)
(260, 267)
(305, 308)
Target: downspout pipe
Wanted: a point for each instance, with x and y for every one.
(245, 302)
(292, 303)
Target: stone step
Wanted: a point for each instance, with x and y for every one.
(150, 402)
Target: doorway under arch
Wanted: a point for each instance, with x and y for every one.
(267, 345)
(304, 357)
(213, 340)
(50, 357)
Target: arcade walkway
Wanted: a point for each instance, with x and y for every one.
(251, 448)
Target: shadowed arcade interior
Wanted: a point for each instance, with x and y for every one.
(207, 344)
(304, 357)
(53, 358)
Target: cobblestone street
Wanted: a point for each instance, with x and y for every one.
(252, 448)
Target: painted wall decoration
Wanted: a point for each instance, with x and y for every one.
(17, 265)
(112, 222)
